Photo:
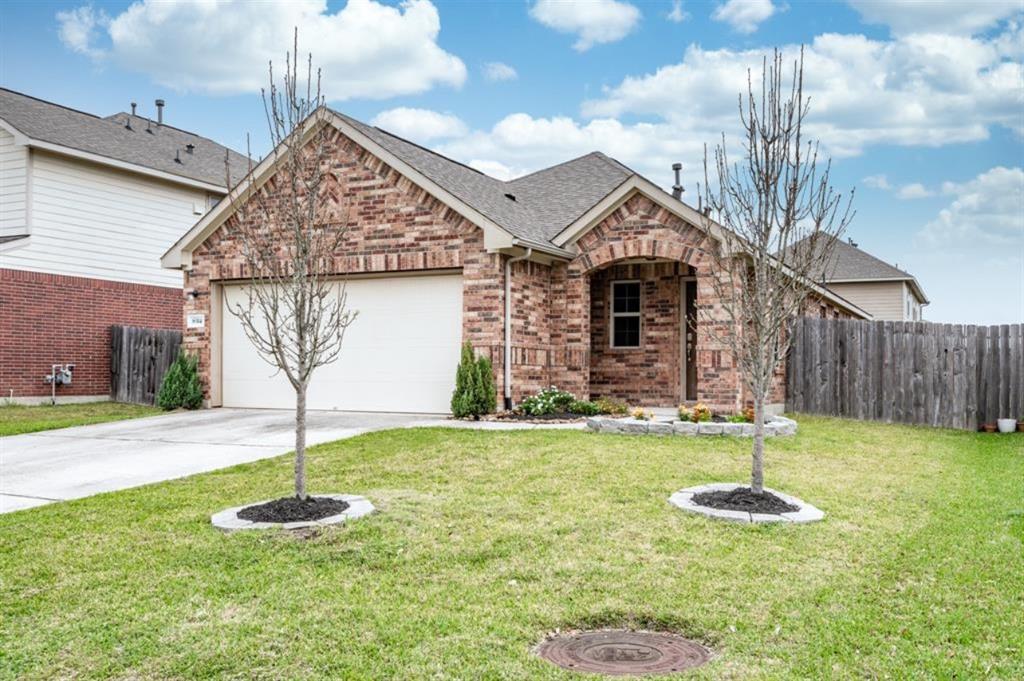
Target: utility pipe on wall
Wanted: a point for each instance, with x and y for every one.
(508, 325)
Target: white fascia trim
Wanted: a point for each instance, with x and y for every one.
(180, 254)
(22, 139)
(14, 244)
(124, 165)
(632, 185)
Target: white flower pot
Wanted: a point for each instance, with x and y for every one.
(1006, 425)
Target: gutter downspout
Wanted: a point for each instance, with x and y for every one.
(508, 325)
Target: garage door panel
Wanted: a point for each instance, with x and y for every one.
(400, 354)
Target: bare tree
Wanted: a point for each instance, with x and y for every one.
(782, 218)
(293, 312)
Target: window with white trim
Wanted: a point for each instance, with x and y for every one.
(625, 317)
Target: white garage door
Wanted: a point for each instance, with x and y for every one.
(400, 354)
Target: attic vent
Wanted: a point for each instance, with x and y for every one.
(511, 197)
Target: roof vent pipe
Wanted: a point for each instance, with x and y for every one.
(133, 108)
(677, 188)
(159, 112)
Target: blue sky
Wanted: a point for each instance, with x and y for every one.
(921, 104)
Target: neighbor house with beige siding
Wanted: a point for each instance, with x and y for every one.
(87, 207)
(883, 290)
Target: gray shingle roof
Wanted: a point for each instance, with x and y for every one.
(109, 137)
(849, 263)
(545, 202)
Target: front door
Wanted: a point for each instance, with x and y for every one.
(689, 335)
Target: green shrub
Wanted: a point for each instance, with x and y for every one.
(485, 384)
(181, 387)
(548, 401)
(584, 408)
(475, 391)
(736, 418)
(608, 405)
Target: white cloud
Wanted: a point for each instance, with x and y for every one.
(744, 16)
(365, 50)
(79, 29)
(914, 190)
(936, 17)
(926, 90)
(594, 21)
(520, 143)
(420, 125)
(677, 14)
(986, 212)
(497, 71)
(493, 168)
(970, 257)
(877, 182)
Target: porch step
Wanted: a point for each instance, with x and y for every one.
(664, 413)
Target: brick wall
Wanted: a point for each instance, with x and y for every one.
(48, 318)
(531, 328)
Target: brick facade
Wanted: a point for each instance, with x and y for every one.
(559, 309)
(47, 319)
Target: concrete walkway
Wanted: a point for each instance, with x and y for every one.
(70, 463)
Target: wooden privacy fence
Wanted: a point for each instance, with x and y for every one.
(139, 358)
(946, 375)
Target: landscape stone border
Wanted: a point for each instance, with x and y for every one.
(228, 520)
(684, 499)
(775, 426)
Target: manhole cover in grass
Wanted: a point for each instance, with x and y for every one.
(623, 652)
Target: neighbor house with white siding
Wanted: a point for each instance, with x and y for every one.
(88, 205)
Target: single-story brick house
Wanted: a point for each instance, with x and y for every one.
(581, 275)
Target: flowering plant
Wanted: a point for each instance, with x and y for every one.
(548, 401)
(701, 412)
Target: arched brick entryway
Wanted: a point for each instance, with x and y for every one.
(643, 241)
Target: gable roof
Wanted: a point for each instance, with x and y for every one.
(534, 207)
(545, 210)
(145, 146)
(849, 263)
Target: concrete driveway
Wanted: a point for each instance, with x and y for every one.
(56, 465)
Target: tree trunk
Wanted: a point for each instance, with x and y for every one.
(757, 464)
(300, 442)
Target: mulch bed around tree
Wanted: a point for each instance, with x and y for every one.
(743, 499)
(293, 510)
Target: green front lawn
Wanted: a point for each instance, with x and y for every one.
(16, 419)
(485, 541)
